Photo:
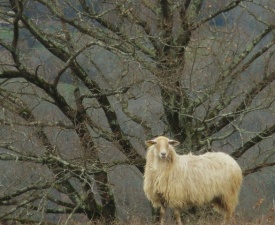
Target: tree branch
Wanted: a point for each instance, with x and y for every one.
(253, 141)
(37, 186)
(226, 8)
(257, 168)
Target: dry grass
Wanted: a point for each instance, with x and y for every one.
(213, 219)
(210, 220)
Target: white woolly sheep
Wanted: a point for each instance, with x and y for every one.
(182, 181)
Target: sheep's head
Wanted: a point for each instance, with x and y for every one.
(162, 146)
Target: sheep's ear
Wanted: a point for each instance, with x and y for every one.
(173, 143)
(150, 143)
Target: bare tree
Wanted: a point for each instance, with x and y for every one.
(84, 83)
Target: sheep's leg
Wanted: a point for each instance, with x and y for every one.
(227, 206)
(162, 214)
(177, 216)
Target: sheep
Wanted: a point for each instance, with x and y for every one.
(183, 181)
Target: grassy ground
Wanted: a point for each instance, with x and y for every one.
(259, 221)
(209, 220)
(262, 220)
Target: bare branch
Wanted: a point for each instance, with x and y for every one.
(253, 141)
(257, 168)
(59, 124)
(226, 8)
(37, 186)
(106, 93)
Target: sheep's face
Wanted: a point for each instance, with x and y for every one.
(162, 146)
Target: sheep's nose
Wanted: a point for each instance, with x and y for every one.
(163, 154)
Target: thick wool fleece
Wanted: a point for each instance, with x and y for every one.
(181, 181)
